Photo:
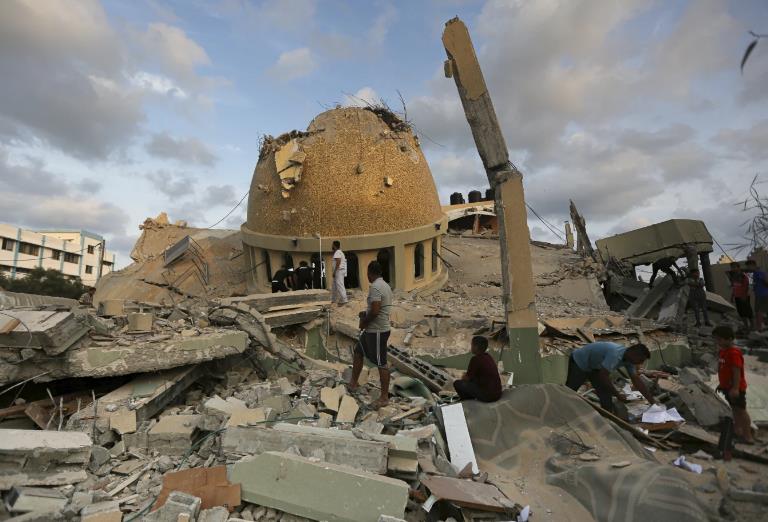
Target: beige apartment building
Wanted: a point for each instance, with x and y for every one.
(76, 253)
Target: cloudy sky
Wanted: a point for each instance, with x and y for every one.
(112, 111)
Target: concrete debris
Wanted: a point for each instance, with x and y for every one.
(50, 332)
(43, 458)
(108, 511)
(177, 507)
(273, 479)
(41, 500)
(174, 433)
(210, 485)
(339, 447)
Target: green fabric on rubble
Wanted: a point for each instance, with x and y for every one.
(552, 421)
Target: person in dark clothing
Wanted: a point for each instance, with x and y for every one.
(740, 295)
(303, 276)
(697, 297)
(482, 381)
(664, 264)
(281, 280)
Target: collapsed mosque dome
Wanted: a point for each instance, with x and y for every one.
(357, 175)
(356, 171)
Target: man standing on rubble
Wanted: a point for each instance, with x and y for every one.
(740, 295)
(697, 297)
(338, 292)
(374, 323)
(596, 361)
(664, 264)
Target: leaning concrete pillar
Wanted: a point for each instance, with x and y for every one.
(706, 271)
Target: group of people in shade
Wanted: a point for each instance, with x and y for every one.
(752, 319)
(306, 277)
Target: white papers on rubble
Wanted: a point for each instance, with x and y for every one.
(680, 462)
(630, 394)
(659, 414)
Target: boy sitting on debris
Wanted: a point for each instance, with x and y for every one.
(596, 361)
(732, 383)
(481, 381)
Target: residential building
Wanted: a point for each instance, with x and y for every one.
(76, 253)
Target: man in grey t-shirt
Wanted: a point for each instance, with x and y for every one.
(374, 323)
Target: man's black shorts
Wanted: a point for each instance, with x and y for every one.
(373, 345)
(743, 307)
(739, 402)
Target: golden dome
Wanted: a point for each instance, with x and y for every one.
(356, 171)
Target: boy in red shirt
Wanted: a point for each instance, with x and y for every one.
(482, 381)
(732, 382)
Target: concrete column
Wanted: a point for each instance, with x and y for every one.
(691, 257)
(42, 251)
(401, 265)
(82, 255)
(568, 235)
(61, 259)
(16, 253)
(706, 271)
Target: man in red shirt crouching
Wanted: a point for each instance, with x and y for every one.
(482, 381)
(732, 382)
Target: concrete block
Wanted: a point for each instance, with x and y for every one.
(215, 514)
(347, 410)
(102, 512)
(340, 447)
(41, 500)
(331, 398)
(43, 458)
(140, 322)
(246, 417)
(279, 403)
(111, 308)
(179, 506)
(173, 434)
(308, 489)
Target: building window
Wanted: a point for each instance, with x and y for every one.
(88, 269)
(8, 244)
(418, 261)
(91, 249)
(29, 249)
(71, 258)
(56, 254)
(434, 255)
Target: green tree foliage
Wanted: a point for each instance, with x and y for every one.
(44, 282)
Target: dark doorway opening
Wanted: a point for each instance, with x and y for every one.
(384, 257)
(418, 261)
(318, 280)
(353, 271)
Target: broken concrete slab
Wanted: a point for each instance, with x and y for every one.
(41, 500)
(673, 307)
(457, 433)
(340, 447)
(102, 512)
(137, 401)
(214, 514)
(468, 493)
(296, 316)
(123, 357)
(273, 479)
(51, 332)
(247, 417)
(701, 403)
(646, 302)
(43, 458)
(263, 302)
(173, 434)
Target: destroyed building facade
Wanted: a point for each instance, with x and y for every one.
(357, 175)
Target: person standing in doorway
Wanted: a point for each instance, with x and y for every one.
(373, 342)
(740, 295)
(303, 276)
(338, 292)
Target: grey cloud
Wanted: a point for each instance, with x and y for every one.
(652, 141)
(173, 184)
(219, 195)
(750, 144)
(33, 197)
(61, 79)
(183, 150)
(88, 185)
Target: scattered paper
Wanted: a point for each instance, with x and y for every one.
(680, 462)
(652, 450)
(524, 514)
(631, 394)
(659, 414)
